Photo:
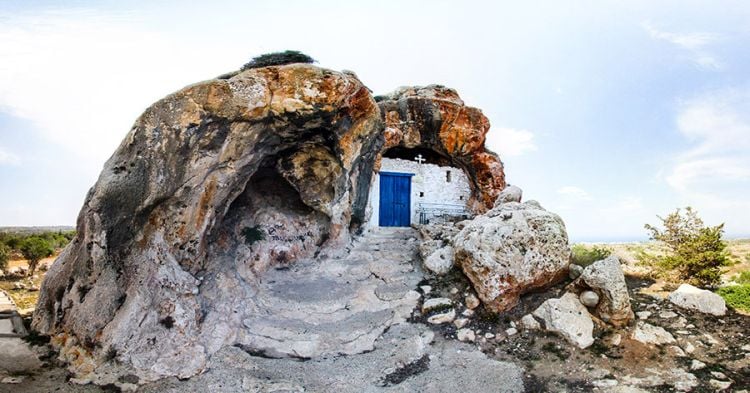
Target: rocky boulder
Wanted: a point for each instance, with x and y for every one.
(512, 249)
(605, 277)
(509, 194)
(696, 299)
(213, 185)
(568, 317)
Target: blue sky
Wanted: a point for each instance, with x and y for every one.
(607, 112)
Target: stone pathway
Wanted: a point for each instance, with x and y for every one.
(15, 354)
(338, 305)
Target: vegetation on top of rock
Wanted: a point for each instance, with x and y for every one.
(278, 58)
(695, 252)
(585, 256)
(737, 296)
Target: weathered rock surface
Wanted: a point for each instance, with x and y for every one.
(512, 249)
(650, 334)
(440, 261)
(701, 300)
(212, 186)
(436, 118)
(509, 194)
(568, 317)
(406, 360)
(606, 278)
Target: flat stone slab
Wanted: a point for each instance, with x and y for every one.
(405, 360)
(334, 306)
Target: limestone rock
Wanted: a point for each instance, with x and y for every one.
(589, 298)
(212, 186)
(528, 322)
(466, 334)
(471, 301)
(440, 261)
(575, 271)
(460, 322)
(650, 334)
(435, 303)
(444, 317)
(568, 317)
(697, 365)
(512, 249)
(509, 194)
(435, 117)
(607, 279)
(701, 300)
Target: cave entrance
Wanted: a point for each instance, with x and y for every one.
(417, 185)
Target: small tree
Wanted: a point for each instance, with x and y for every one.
(4, 256)
(34, 249)
(696, 252)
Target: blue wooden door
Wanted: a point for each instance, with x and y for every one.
(395, 199)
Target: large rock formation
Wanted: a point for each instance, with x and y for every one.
(221, 181)
(435, 118)
(212, 185)
(513, 249)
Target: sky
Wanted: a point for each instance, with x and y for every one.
(608, 113)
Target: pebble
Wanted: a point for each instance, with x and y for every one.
(720, 385)
(489, 335)
(589, 298)
(643, 314)
(511, 331)
(438, 319)
(466, 335)
(616, 339)
(471, 301)
(689, 348)
(697, 365)
(426, 289)
(454, 291)
(461, 322)
(667, 314)
(467, 313)
(718, 375)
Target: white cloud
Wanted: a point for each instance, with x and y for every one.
(713, 175)
(510, 141)
(82, 77)
(574, 193)
(695, 43)
(8, 158)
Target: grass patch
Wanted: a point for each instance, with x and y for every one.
(737, 296)
(743, 278)
(23, 297)
(585, 256)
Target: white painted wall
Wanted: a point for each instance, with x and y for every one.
(428, 179)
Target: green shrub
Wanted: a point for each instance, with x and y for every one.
(4, 256)
(34, 249)
(737, 296)
(585, 256)
(278, 58)
(695, 252)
